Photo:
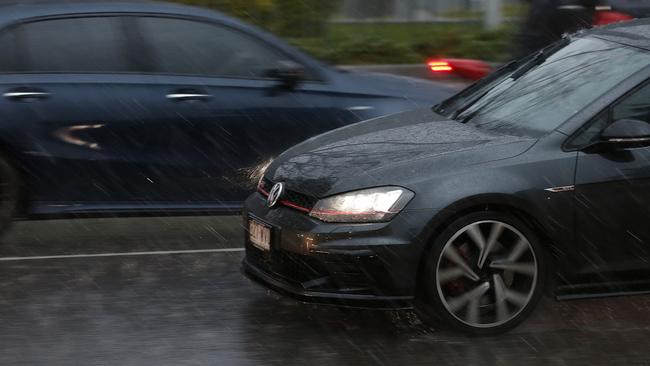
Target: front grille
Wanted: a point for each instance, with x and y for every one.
(292, 268)
(300, 199)
(309, 273)
(291, 199)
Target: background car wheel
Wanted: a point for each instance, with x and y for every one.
(9, 193)
(484, 274)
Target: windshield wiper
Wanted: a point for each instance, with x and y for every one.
(540, 58)
(441, 108)
(513, 65)
(520, 71)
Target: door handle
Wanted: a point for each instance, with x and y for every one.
(188, 96)
(26, 95)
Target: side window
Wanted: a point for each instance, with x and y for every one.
(92, 44)
(8, 58)
(635, 106)
(186, 47)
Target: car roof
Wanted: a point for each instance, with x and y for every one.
(14, 10)
(635, 33)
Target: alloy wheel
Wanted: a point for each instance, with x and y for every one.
(486, 274)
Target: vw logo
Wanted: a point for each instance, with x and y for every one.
(276, 193)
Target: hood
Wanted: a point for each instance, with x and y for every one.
(389, 150)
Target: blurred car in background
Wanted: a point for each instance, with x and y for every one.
(613, 11)
(546, 22)
(131, 108)
(549, 20)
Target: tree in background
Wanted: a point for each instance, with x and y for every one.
(304, 23)
(303, 18)
(289, 18)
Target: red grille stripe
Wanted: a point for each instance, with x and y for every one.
(294, 206)
(286, 203)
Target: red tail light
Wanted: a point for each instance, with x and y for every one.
(605, 17)
(440, 66)
(469, 69)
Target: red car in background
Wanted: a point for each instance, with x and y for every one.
(614, 11)
(548, 21)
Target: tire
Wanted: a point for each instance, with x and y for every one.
(483, 292)
(10, 184)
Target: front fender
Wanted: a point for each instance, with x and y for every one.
(517, 185)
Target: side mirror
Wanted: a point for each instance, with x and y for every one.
(626, 134)
(288, 73)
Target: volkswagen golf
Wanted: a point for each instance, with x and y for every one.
(534, 180)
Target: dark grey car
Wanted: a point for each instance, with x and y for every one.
(534, 178)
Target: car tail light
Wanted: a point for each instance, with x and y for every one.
(440, 66)
(604, 17)
(469, 69)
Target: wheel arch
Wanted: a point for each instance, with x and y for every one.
(486, 202)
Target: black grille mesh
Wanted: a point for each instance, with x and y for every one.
(293, 268)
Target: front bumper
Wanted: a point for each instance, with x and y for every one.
(280, 285)
(357, 265)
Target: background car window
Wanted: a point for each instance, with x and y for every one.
(186, 47)
(8, 59)
(93, 44)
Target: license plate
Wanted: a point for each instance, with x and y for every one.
(259, 234)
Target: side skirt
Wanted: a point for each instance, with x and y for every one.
(601, 290)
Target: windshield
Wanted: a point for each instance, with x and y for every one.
(540, 100)
(465, 97)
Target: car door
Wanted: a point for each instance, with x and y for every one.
(80, 118)
(613, 195)
(251, 118)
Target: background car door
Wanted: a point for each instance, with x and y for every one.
(613, 193)
(72, 103)
(251, 118)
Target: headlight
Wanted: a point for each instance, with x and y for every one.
(370, 205)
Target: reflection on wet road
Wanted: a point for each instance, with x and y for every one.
(197, 309)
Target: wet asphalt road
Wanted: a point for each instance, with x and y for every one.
(197, 309)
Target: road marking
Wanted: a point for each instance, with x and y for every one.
(127, 254)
